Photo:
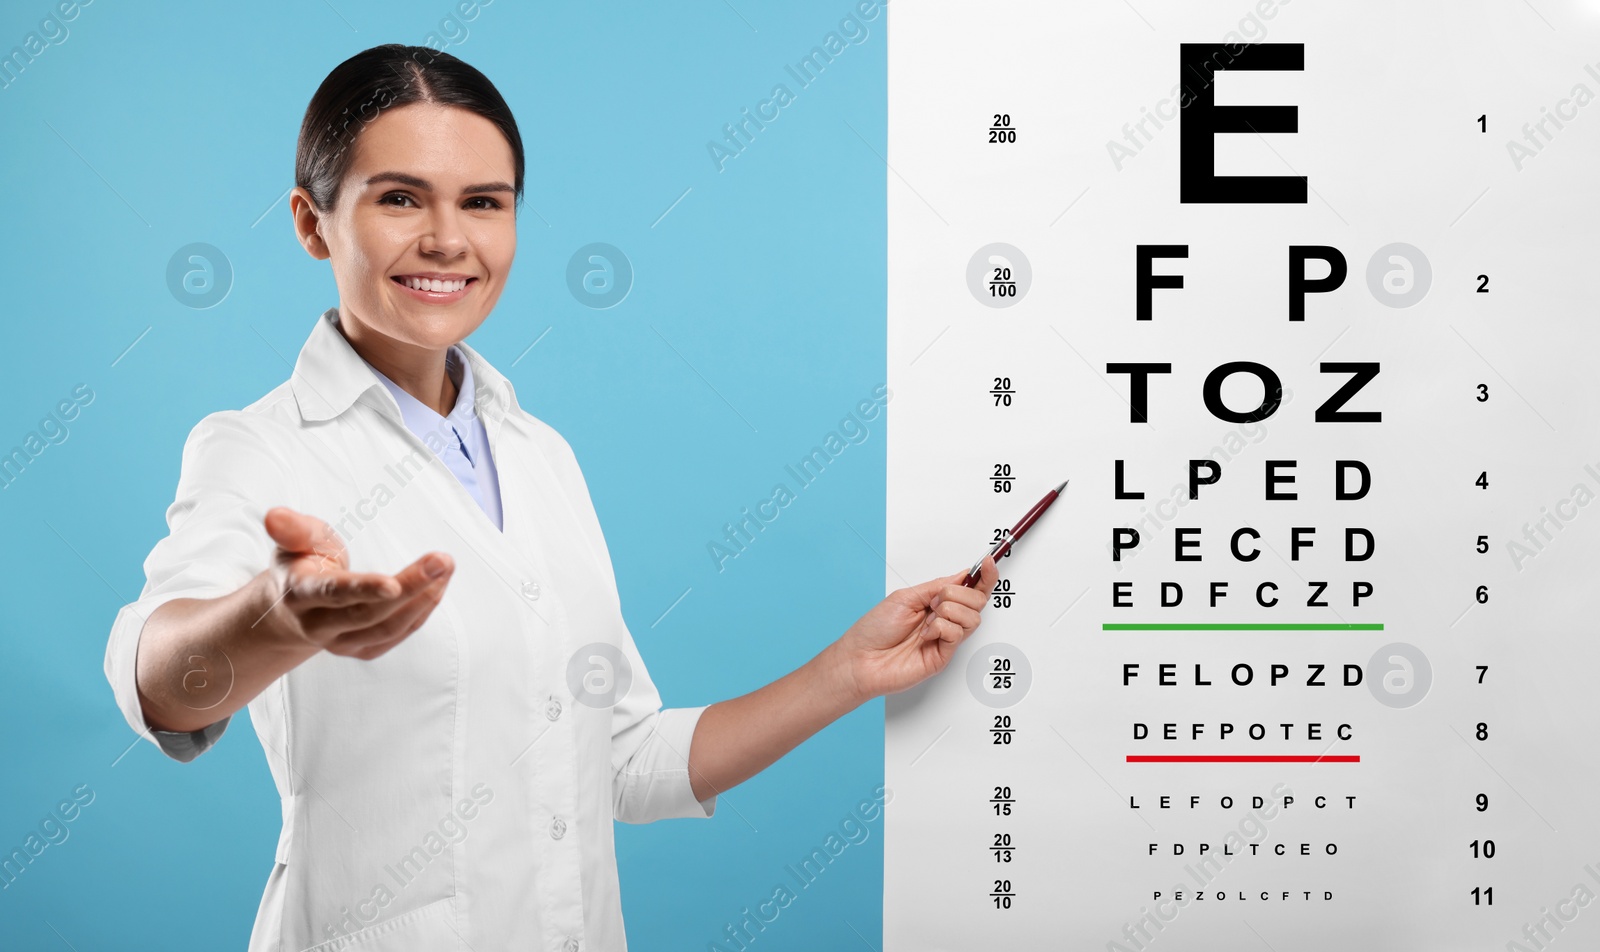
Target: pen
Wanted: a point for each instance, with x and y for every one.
(1004, 545)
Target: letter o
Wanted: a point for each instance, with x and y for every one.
(1271, 398)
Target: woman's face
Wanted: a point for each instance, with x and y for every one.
(423, 231)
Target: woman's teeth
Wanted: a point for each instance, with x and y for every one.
(430, 284)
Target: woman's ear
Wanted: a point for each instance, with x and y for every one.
(306, 222)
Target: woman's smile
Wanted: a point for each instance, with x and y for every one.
(431, 287)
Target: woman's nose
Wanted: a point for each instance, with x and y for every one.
(443, 234)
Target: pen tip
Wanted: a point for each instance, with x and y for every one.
(1063, 485)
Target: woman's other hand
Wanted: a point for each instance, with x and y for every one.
(912, 634)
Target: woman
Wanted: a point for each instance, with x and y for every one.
(451, 742)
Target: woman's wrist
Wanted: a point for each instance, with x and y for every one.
(837, 676)
(270, 622)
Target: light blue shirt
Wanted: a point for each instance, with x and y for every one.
(462, 442)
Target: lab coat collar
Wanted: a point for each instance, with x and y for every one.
(329, 377)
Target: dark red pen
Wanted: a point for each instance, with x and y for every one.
(1004, 545)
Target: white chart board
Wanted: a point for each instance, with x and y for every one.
(1444, 361)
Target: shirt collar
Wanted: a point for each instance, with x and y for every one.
(420, 417)
(329, 377)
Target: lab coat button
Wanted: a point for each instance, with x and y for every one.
(530, 590)
(571, 945)
(558, 828)
(553, 709)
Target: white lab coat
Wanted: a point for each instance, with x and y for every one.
(457, 792)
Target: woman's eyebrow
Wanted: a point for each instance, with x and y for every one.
(417, 183)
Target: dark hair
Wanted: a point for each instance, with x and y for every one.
(380, 78)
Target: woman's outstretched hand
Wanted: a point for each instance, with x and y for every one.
(912, 634)
(357, 614)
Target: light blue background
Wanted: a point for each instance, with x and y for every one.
(143, 131)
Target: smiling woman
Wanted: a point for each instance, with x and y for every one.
(499, 660)
(420, 253)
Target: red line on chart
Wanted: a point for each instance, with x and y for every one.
(1243, 759)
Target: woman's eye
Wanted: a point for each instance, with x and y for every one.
(403, 200)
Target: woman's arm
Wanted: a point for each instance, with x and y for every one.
(202, 659)
(905, 639)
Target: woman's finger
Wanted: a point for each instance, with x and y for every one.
(323, 625)
(961, 595)
(372, 641)
(935, 628)
(424, 571)
(959, 614)
(311, 590)
(300, 534)
(988, 576)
